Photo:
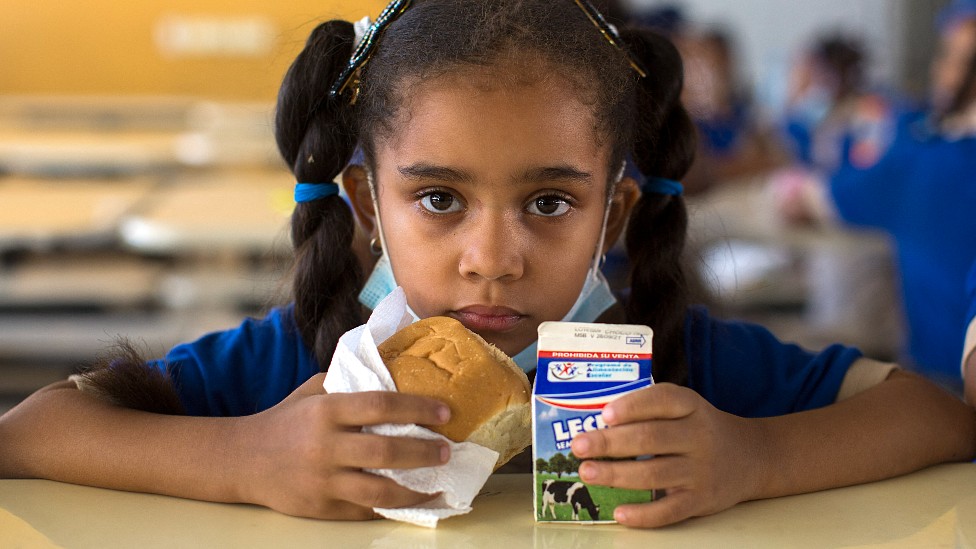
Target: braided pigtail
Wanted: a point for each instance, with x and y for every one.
(664, 145)
(316, 136)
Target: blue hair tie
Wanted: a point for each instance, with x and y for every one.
(307, 192)
(656, 185)
(661, 185)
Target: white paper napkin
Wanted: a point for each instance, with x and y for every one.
(357, 366)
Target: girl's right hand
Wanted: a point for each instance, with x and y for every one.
(306, 455)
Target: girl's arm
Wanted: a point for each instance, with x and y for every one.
(969, 378)
(708, 460)
(302, 457)
(969, 347)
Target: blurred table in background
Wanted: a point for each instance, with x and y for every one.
(815, 285)
(242, 212)
(44, 213)
(156, 219)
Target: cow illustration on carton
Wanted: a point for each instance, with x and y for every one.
(573, 493)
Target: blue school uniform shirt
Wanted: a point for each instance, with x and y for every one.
(740, 368)
(923, 193)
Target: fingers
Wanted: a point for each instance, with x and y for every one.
(675, 507)
(378, 407)
(635, 439)
(661, 401)
(365, 451)
(366, 490)
(657, 473)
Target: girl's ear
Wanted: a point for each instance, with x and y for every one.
(622, 203)
(356, 182)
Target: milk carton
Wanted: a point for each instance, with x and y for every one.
(581, 367)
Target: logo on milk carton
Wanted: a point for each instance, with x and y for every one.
(574, 370)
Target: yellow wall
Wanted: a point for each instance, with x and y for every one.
(96, 47)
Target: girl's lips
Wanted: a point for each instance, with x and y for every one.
(480, 318)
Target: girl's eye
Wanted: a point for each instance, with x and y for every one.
(549, 206)
(440, 202)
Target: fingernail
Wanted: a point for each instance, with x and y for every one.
(619, 515)
(608, 414)
(580, 446)
(445, 453)
(443, 414)
(587, 472)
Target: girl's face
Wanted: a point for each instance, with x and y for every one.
(956, 49)
(492, 199)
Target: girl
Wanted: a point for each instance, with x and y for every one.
(493, 137)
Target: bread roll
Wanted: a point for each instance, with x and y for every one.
(487, 393)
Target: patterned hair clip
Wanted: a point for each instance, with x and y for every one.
(365, 48)
(610, 33)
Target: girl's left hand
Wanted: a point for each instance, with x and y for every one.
(706, 460)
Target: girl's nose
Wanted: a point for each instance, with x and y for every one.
(492, 251)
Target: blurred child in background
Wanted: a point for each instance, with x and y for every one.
(733, 144)
(922, 193)
(834, 118)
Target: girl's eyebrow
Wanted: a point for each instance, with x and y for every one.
(422, 170)
(556, 173)
(564, 173)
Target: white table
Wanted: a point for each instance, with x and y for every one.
(932, 508)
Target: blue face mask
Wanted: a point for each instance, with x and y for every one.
(595, 298)
(812, 108)
(379, 284)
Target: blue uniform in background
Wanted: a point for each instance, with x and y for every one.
(858, 138)
(923, 193)
(740, 368)
(721, 137)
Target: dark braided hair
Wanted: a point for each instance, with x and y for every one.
(316, 136)
(663, 146)
(640, 117)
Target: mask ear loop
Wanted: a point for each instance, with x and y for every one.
(594, 272)
(376, 209)
(379, 228)
(598, 253)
